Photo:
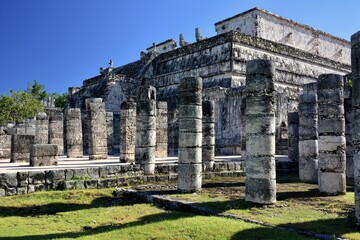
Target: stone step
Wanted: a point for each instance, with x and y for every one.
(281, 152)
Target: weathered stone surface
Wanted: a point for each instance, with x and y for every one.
(308, 138)
(95, 109)
(127, 131)
(56, 131)
(5, 146)
(260, 181)
(208, 135)
(43, 154)
(42, 128)
(74, 136)
(355, 62)
(348, 135)
(20, 147)
(161, 129)
(110, 132)
(145, 141)
(190, 136)
(293, 136)
(332, 142)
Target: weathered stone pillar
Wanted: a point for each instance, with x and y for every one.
(5, 146)
(293, 136)
(308, 138)
(208, 131)
(348, 134)
(161, 130)
(355, 63)
(331, 128)
(260, 184)
(110, 132)
(20, 147)
(95, 109)
(42, 128)
(145, 140)
(190, 134)
(56, 131)
(43, 154)
(127, 131)
(74, 136)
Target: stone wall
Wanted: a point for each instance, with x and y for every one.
(100, 177)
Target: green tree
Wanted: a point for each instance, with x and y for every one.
(18, 105)
(60, 99)
(37, 90)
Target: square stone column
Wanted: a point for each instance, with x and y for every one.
(208, 131)
(145, 140)
(127, 131)
(74, 135)
(161, 130)
(56, 131)
(96, 114)
(260, 184)
(355, 64)
(190, 134)
(331, 128)
(20, 148)
(42, 128)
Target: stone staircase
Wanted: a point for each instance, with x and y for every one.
(281, 147)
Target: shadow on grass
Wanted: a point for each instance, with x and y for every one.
(54, 208)
(107, 228)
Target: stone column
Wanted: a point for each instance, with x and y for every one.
(42, 128)
(260, 184)
(293, 136)
(332, 142)
(74, 136)
(20, 148)
(348, 136)
(208, 131)
(145, 140)
(190, 134)
(110, 132)
(355, 63)
(308, 138)
(56, 131)
(5, 146)
(161, 130)
(95, 111)
(43, 154)
(127, 131)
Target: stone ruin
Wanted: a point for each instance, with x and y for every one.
(245, 91)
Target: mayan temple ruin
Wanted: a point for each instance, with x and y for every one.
(262, 87)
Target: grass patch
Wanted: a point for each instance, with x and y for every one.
(94, 214)
(299, 206)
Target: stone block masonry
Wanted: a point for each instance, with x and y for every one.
(20, 148)
(293, 136)
(208, 131)
(260, 184)
(110, 132)
(5, 146)
(43, 154)
(308, 138)
(331, 128)
(74, 136)
(56, 131)
(127, 131)
(145, 140)
(190, 134)
(161, 129)
(95, 109)
(42, 128)
(355, 62)
(348, 135)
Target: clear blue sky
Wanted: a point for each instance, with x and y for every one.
(60, 43)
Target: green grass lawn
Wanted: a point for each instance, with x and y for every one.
(94, 214)
(299, 206)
